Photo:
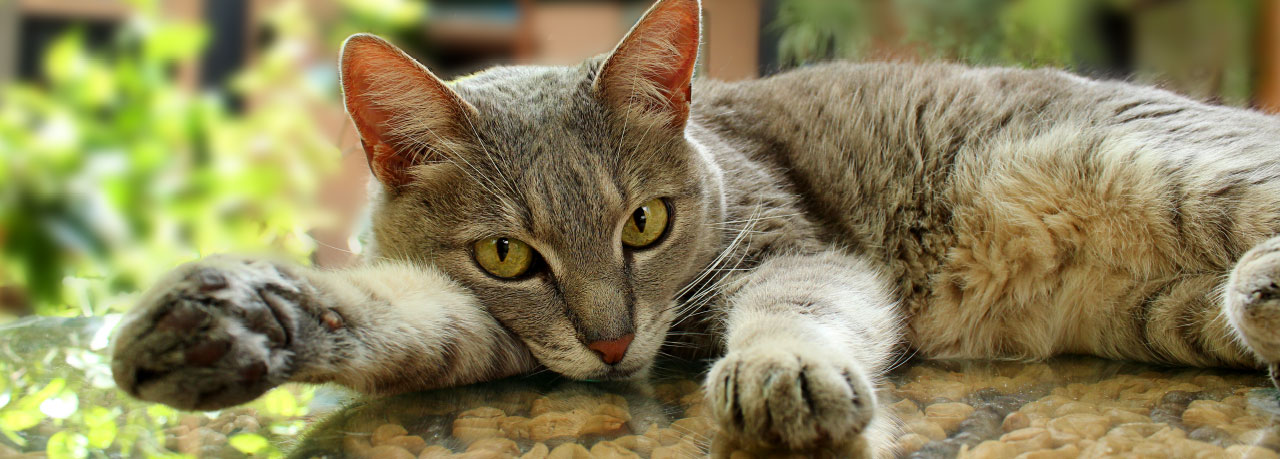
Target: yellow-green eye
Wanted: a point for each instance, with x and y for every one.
(646, 224)
(504, 257)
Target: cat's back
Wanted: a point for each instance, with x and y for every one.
(920, 108)
(867, 144)
(869, 147)
(949, 174)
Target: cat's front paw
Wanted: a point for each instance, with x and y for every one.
(790, 397)
(215, 333)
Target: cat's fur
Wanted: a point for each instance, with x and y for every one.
(822, 220)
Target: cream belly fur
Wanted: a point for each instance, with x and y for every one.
(1047, 262)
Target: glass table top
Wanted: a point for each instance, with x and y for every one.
(57, 399)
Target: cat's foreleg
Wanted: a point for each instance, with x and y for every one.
(223, 330)
(807, 338)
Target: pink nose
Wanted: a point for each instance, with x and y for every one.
(611, 352)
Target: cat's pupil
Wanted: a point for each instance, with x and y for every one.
(639, 216)
(502, 245)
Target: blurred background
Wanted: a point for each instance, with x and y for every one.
(139, 134)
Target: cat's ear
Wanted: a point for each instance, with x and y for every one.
(651, 70)
(406, 116)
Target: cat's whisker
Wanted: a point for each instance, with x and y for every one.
(729, 248)
(667, 355)
(329, 246)
(625, 122)
(670, 343)
(901, 359)
(490, 188)
(451, 156)
(705, 296)
(732, 247)
(498, 168)
(470, 170)
(748, 220)
(702, 298)
(687, 333)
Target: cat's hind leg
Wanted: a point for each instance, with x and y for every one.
(1251, 302)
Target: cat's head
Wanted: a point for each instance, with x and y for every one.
(568, 199)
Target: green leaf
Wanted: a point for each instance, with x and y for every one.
(65, 59)
(14, 437)
(161, 413)
(34, 400)
(17, 420)
(280, 402)
(175, 41)
(26, 413)
(249, 443)
(66, 444)
(100, 427)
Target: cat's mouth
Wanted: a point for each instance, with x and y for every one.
(616, 374)
(621, 372)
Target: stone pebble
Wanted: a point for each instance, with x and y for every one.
(1144, 415)
(1036, 411)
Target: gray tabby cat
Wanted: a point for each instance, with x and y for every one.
(808, 227)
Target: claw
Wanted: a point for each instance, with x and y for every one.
(211, 280)
(332, 319)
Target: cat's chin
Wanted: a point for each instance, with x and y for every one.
(633, 373)
(624, 371)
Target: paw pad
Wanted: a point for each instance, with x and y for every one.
(206, 353)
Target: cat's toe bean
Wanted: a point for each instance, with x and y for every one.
(768, 398)
(215, 336)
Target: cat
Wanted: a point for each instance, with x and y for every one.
(807, 228)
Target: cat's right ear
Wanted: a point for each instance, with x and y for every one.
(406, 116)
(651, 71)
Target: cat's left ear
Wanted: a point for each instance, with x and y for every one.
(651, 70)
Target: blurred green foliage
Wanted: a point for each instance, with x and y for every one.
(57, 397)
(1203, 48)
(114, 173)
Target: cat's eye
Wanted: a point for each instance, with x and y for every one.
(646, 224)
(504, 257)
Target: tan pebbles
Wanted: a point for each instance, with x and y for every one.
(1063, 408)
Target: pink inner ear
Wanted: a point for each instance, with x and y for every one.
(659, 54)
(677, 80)
(383, 86)
(358, 57)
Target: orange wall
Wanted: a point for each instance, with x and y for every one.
(1268, 97)
(731, 31)
(567, 33)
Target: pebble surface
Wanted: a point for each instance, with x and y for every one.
(1064, 408)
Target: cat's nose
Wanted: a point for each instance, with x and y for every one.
(612, 351)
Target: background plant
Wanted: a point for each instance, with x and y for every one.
(112, 173)
(1203, 48)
